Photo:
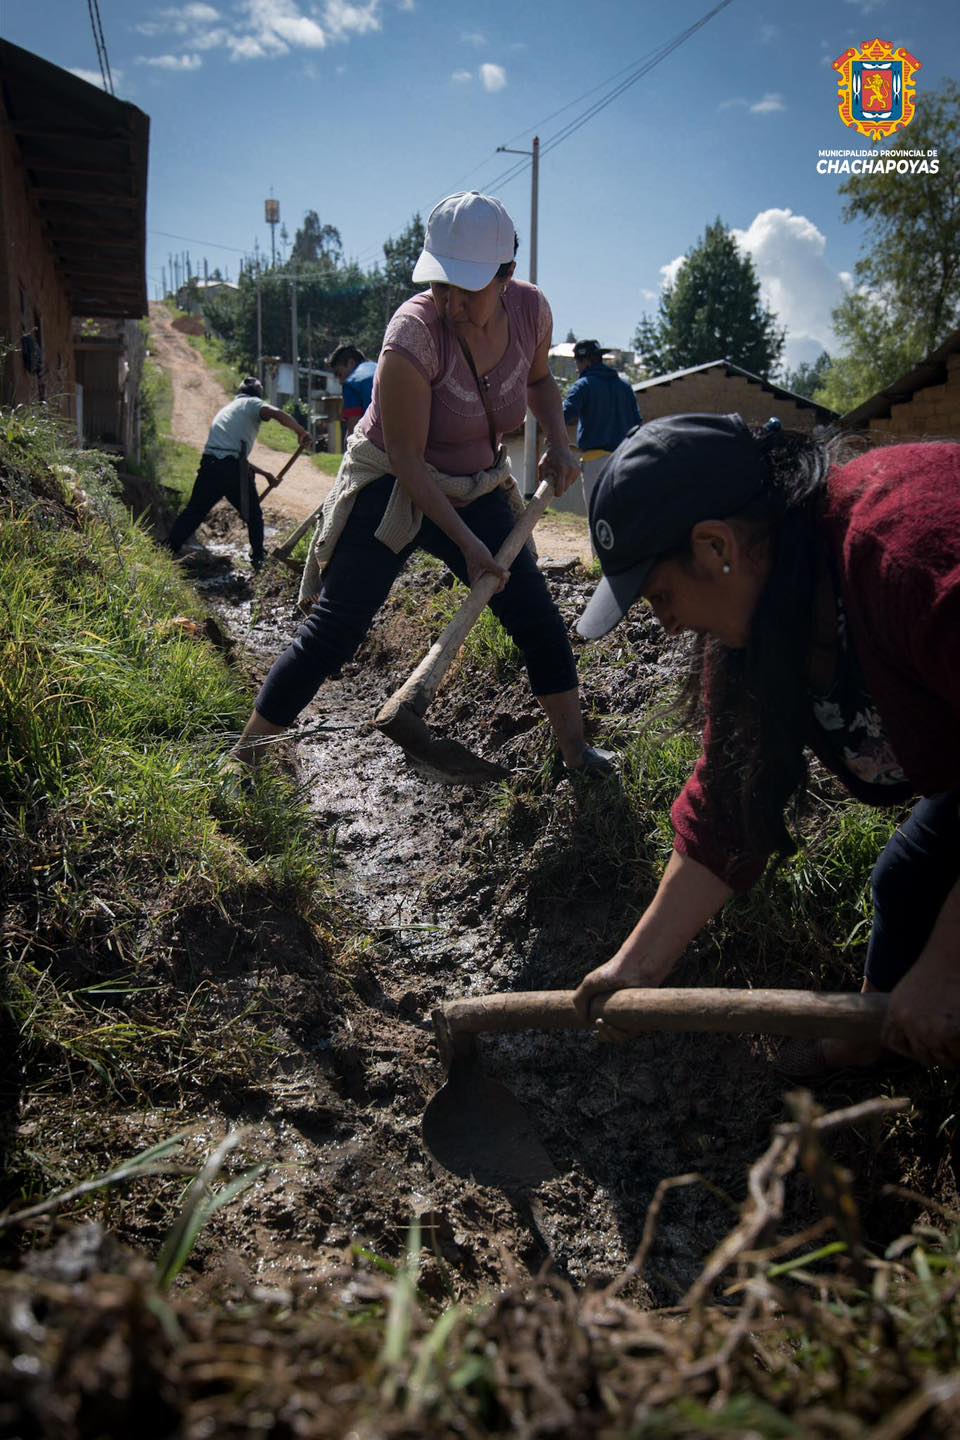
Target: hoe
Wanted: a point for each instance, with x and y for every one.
(401, 718)
(476, 1128)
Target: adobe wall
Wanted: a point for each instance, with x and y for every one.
(712, 392)
(933, 411)
(31, 290)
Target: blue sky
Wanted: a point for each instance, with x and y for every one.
(369, 111)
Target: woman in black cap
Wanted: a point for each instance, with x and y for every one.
(825, 602)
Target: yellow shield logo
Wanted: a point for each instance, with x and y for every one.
(877, 89)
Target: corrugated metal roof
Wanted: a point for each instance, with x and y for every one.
(85, 154)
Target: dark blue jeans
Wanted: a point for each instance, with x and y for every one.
(227, 478)
(918, 867)
(358, 579)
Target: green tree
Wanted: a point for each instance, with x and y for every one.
(390, 284)
(876, 350)
(908, 280)
(712, 311)
(808, 378)
(316, 244)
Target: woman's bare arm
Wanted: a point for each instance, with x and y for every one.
(405, 410)
(687, 897)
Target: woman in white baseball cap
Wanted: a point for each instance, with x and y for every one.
(426, 468)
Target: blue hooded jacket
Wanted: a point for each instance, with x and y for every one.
(604, 407)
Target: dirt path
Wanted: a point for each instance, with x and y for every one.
(198, 395)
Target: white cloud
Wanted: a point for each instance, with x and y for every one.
(178, 20)
(462, 77)
(649, 294)
(280, 21)
(262, 29)
(867, 7)
(171, 62)
(92, 77)
(767, 32)
(494, 77)
(408, 5)
(796, 281)
(344, 19)
(473, 37)
(767, 106)
(210, 39)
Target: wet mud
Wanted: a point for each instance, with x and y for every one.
(456, 892)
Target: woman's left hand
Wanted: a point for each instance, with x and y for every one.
(558, 464)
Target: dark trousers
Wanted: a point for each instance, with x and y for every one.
(358, 579)
(217, 479)
(917, 869)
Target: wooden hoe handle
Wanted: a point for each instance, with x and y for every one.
(636, 1012)
(295, 456)
(417, 692)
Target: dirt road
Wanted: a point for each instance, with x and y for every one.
(198, 395)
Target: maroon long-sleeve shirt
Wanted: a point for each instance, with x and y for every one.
(892, 522)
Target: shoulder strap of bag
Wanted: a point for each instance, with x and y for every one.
(482, 390)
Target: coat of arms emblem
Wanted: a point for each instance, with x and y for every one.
(877, 88)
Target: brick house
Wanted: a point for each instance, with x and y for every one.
(722, 388)
(73, 190)
(924, 402)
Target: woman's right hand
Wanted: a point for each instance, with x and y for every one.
(481, 562)
(624, 971)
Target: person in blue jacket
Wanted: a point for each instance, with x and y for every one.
(604, 408)
(356, 374)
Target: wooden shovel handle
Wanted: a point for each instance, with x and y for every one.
(295, 456)
(733, 1012)
(417, 692)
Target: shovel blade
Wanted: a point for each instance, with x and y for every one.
(476, 1128)
(434, 756)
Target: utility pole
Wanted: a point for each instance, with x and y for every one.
(530, 424)
(259, 329)
(294, 338)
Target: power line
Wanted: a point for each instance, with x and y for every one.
(635, 71)
(192, 240)
(100, 44)
(648, 63)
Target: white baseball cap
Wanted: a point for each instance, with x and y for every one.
(469, 236)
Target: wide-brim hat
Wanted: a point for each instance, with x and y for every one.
(468, 237)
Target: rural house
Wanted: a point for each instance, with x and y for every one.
(73, 193)
(924, 402)
(722, 388)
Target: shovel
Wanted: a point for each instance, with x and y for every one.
(294, 457)
(401, 718)
(477, 1129)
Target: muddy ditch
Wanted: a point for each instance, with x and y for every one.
(456, 892)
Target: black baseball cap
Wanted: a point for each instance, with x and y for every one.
(660, 481)
(586, 349)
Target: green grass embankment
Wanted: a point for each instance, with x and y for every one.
(115, 714)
